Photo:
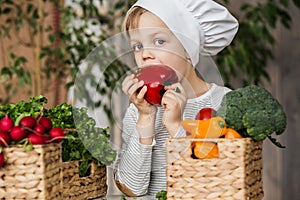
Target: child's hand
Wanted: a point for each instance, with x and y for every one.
(174, 102)
(135, 90)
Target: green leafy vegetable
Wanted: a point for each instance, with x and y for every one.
(123, 197)
(84, 141)
(162, 195)
(33, 107)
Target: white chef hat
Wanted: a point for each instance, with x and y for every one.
(202, 26)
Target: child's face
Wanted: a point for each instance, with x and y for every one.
(154, 43)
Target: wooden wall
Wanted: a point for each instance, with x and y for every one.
(288, 91)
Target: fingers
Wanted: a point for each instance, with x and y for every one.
(127, 83)
(177, 88)
(142, 93)
(134, 87)
(171, 100)
(136, 90)
(175, 91)
(131, 84)
(174, 96)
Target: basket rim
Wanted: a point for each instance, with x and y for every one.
(211, 139)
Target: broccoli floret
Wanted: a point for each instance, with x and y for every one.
(253, 111)
(234, 117)
(256, 127)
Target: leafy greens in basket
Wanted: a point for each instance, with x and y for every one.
(83, 141)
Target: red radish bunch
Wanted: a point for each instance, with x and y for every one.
(28, 122)
(57, 134)
(6, 123)
(46, 123)
(4, 138)
(28, 130)
(18, 133)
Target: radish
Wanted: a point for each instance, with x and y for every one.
(1, 160)
(36, 139)
(46, 123)
(57, 134)
(39, 129)
(4, 138)
(28, 122)
(17, 133)
(47, 139)
(6, 123)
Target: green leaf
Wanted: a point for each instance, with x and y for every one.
(51, 38)
(22, 59)
(84, 168)
(285, 3)
(8, 87)
(6, 10)
(285, 18)
(119, 5)
(29, 8)
(35, 14)
(6, 73)
(28, 147)
(297, 3)
(161, 195)
(12, 55)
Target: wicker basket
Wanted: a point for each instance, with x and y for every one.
(40, 174)
(236, 174)
(76, 188)
(31, 175)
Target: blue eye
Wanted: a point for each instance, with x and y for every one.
(159, 42)
(137, 47)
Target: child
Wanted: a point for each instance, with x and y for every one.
(173, 33)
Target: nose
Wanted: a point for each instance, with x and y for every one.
(147, 54)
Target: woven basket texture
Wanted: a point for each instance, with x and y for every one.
(31, 175)
(235, 175)
(89, 187)
(40, 174)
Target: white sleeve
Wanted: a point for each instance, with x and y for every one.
(133, 166)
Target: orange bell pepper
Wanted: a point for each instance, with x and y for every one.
(205, 150)
(214, 127)
(231, 133)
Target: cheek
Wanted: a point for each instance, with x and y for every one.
(181, 66)
(176, 47)
(176, 60)
(138, 59)
(173, 57)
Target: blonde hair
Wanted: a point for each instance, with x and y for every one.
(132, 18)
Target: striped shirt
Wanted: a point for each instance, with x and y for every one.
(142, 168)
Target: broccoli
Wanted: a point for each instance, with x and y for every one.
(253, 112)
